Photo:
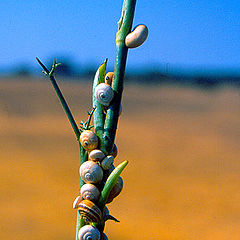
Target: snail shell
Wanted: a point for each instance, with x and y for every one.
(114, 151)
(115, 190)
(107, 162)
(137, 37)
(77, 200)
(89, 140)
(91, 172)
(109, 78)
(104, 93)
(96, 155)
(89, 211)
(90, 192)
(88, 232)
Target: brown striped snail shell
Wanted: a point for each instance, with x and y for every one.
(107, 162)
(115, 190)
(89, 140)
(89, 232)
(96, 155)
(77, 200)
(90, 192)
(109, 78)
(89, 211)
(104, 93)
(137, 37)
(91, 172)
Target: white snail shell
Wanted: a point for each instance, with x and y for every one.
(107, 162)
(109, 78)
(88, 232)
(115, 190)
(137, 37)
(91, 172)
(90, 192)
(104, 93)
(96, 155)
(89, 140)
(89, 211)
(77, 200)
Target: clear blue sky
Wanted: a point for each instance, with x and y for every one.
(182, 33)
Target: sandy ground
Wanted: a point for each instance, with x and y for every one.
(183, 177)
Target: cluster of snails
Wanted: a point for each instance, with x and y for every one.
(94, 173)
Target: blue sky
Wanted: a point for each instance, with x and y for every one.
(182, 34)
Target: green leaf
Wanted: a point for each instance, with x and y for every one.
(111, 181)
(102, 72)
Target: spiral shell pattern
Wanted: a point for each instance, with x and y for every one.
(91, 172)
(104, 93)
(89, 140)
(90, 192)
(107, 162)
(89, 232)
(89, 211)
(109, 78)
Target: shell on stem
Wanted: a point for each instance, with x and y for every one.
(104, 94)
(89, 232)
(90, 192)
(89, 140)
(91, 172)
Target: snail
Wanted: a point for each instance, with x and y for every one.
(96, 155)
(104, 93)
(137, 37)
(109, 78)
(91, 172)
(90, 192)
(77, 200)
(88, 140)
(89, 211)
(89, 232)
(115, 190)
(114, 151)
(107, 162)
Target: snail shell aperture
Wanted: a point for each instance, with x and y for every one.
(89, 211)
(90, 192)
(108, 78)
(104, 93)
(88, 232)
(88, 140)
(96, 155)
(137, 37)
(91, 172)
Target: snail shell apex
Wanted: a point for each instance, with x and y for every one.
(104, 93)
(96, 155)
(91, 172)
(137, 37)
(89, 140)
(89, 211)
(88, 232)
(90, 192)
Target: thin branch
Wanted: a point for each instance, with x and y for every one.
(60, 96)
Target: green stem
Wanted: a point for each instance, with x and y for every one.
(125, 25)
(61, 97)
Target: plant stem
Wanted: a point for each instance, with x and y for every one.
(124, 27)
(60, 96)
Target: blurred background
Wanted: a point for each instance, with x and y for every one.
(179, 128)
